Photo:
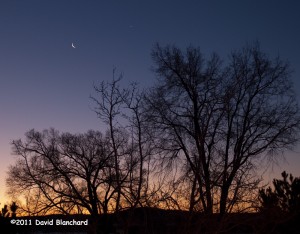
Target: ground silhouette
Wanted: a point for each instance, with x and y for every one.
(152, 220)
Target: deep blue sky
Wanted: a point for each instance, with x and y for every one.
(47, 83)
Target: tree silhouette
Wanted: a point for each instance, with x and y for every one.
(13, 208)
(62, 173)
(193, 141)
(280, 205)
(90, 172)
(221, 121)
(4, 212)
(284, 197)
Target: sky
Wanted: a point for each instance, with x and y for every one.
(45, 82)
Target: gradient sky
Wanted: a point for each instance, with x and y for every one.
(47, 83)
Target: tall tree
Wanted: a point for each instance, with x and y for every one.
(120, 109)
(221, 120)
(109, 102)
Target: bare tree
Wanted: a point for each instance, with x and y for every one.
(65, 173)
(221, 120)
(141, 144)
(80, 173)
(130, 139)
(261, 115)
(108, 106)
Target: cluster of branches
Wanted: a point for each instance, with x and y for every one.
(193, 141)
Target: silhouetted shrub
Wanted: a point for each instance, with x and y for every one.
(280, 206)
(285, 196)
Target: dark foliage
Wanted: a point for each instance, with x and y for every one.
(285, 196)
(5, 217)
(281, 205)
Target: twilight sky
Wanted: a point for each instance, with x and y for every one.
(47, 83)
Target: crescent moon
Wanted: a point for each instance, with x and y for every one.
(73, 46)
